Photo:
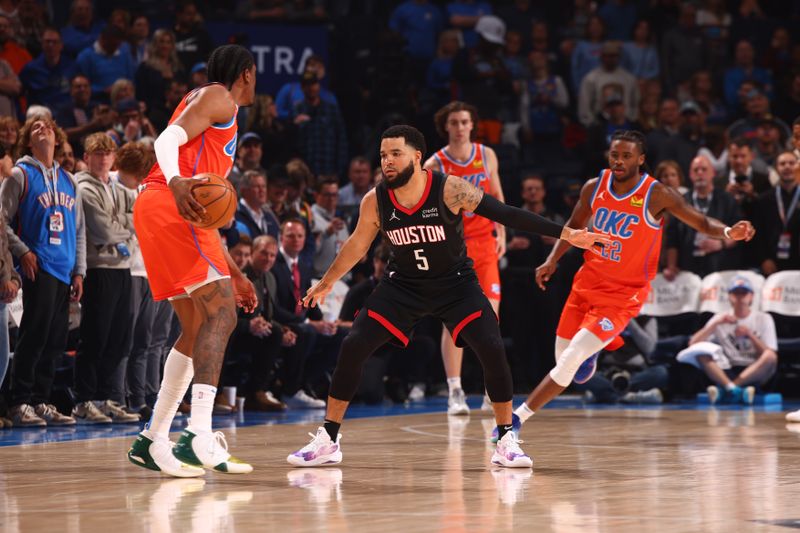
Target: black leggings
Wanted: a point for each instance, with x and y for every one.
(367, 335)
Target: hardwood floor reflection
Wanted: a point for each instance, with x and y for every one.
(610, 470)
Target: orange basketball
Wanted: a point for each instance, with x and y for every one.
(218, 197)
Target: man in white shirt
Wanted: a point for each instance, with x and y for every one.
(590, 101)
(328, 228)
(738, 350)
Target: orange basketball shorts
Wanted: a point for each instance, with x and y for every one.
(176, 254)
(483, 252)
(602, 306)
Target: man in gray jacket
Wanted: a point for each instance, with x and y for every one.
(105, 317)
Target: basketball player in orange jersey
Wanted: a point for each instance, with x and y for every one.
(485, 240)
(190, 266)
(611, 286)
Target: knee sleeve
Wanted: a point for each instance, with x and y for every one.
(580, 348)
(364, 338)
(482, 335)
(561, 345)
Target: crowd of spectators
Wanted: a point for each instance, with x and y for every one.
(86, 87)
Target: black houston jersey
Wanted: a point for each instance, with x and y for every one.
(427, 240)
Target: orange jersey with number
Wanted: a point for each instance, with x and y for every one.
(474, 170)
(632, 259)
(212, 151)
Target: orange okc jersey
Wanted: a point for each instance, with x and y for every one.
(632, 259)
(212, 151)
(474, 171)
(178, 256)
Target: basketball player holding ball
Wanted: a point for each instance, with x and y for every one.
(187, 264)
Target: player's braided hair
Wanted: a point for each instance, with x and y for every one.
(635, 137)
(227, 63)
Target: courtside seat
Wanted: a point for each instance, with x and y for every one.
(674, 305)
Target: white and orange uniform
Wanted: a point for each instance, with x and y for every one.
(479, 231)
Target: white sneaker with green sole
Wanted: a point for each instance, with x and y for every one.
(155, 454)
(209, 450)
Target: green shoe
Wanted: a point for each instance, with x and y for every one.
(156, 455)
(209, 450)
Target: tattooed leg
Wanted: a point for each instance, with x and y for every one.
(215, 316)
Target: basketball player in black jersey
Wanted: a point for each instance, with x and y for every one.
(429, 273)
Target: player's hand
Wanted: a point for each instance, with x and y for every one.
(9, 290)
(544, 272)
(742, 231)
(583, 238)
(316, 294)
(30, 265)
(244, 292)
(188, 207)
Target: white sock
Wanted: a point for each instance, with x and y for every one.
(453, 384)
(523, 412)
(730, 386)
(202, 405)
(178, 373)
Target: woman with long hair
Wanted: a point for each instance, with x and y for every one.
(262, 118)
(159, 69)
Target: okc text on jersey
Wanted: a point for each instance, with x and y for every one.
(616, 223)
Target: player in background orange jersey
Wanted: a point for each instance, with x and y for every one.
(485, 240)
(190, 266)
(611, 286)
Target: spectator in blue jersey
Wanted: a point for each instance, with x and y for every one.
(292, 93)
(48, 239)
(419, 22)
(106, 61)
(439, 76)
(46, 79)
(82, 30)
(464, 15)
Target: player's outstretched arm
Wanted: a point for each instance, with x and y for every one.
(353, 249)
(667, 199)
(459, 194)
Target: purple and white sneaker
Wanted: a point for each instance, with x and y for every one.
(321, 451)
(509, 454)
(586, 370)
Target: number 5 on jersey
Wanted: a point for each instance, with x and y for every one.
(422, 261)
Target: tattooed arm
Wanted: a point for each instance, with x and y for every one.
(459, 194)
(353, 249)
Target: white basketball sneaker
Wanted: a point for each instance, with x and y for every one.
(794, 416)
(457, 403)
(155, 454)
(321, 451)
(509, 454)
(210, 450)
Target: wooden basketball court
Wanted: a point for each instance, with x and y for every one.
(613, 470)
